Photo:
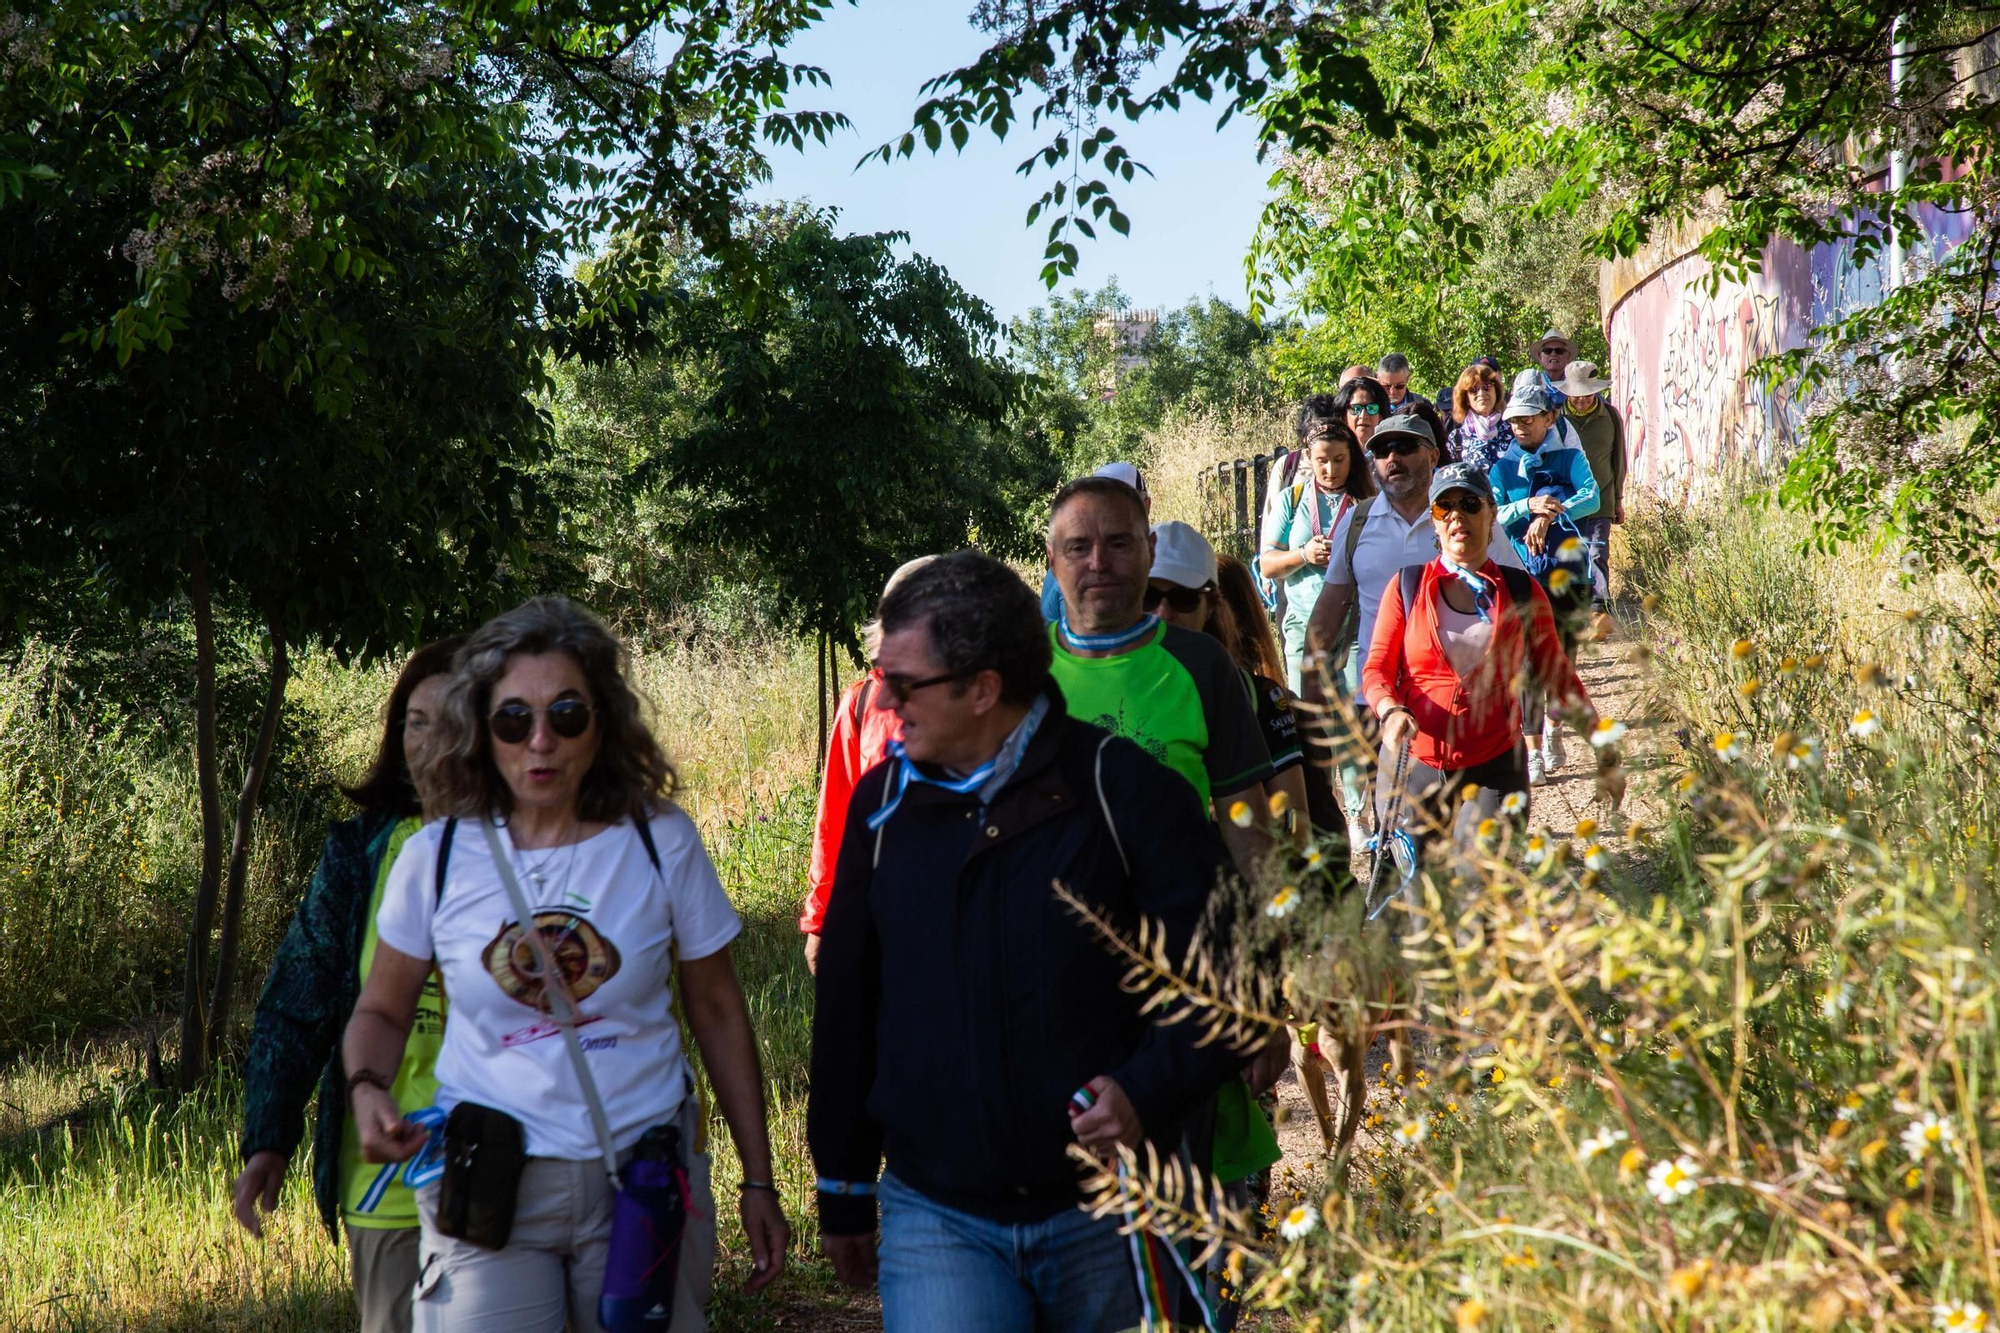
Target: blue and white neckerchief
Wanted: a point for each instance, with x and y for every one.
(1482, 600)
(1102, 643)
(982, 781)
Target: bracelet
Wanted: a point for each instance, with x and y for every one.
(856, 1187)
(366, 1076)
(756, 1185)
(1393, 708)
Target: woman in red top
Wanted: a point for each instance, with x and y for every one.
(1452, 642)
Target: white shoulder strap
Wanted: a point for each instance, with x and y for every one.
(559, 998)
(1104, 804)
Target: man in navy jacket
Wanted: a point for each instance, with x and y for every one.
(961, 1006)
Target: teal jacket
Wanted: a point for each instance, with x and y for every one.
(1560, 458)
(308, 997)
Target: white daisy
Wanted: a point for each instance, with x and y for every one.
(1603, 1141)
(1570, 550)
(1727, 744)
(1283, 903)
(1957, 1316)
(1413, 1132)
(1865, 723)
(1836, 1001)
(1928, 1131)
(1514, 802)
(1787, 668)
(1559, 579)
(1314, 858)
(1239, 814)
(1671, 1181)
(1803, 754)
(1299, 1223)
(1595, 857)
(1912, 565)
(1536, 852)
(1606, 732)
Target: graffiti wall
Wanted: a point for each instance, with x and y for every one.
(1681, 354)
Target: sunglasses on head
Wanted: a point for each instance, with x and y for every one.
(513, 723)
(1364, 409)
(1184, 601)
(1400, 445)
(1446, 505)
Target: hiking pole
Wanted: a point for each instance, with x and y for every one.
(1385, 845)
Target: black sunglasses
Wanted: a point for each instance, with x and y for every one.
(902, 687)
(513, 723)
(1400, 445)
(1364, 409)
(1184, 601)
(1444, 506)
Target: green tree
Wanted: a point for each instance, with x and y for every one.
(860, 419)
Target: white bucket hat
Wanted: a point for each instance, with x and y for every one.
(1580, 380)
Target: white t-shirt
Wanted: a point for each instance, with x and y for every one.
(610, 922)
(1387, 544)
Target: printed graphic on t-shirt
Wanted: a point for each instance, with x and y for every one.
(585, 959)
(1133, 728)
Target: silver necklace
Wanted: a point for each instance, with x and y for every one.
(537, 873)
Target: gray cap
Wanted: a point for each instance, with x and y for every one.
(1527, 400)
(1404, 423)
(1460, 477)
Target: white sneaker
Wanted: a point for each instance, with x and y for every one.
(1552, 745)
(1537, 775)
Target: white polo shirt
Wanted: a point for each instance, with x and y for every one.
(1387, 544)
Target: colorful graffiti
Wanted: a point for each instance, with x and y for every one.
(1682, 355)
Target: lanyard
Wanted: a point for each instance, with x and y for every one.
(1482, 600)
(906, 772)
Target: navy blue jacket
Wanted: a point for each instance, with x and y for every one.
(960, 1004)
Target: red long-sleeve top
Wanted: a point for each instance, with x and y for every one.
(860, 740)
(1466, 721)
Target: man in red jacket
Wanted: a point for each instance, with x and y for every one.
(862, 730)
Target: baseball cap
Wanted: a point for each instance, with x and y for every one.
(1527, 400)
(1182, 555)
(1124, 472)
(1460, 477)
(1404, 423)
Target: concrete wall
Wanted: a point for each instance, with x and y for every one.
(1681, 354)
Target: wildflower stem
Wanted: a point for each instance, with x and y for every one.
(1989, 1232)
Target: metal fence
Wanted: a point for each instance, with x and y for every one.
(1233, 502)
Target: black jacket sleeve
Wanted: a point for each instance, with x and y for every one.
(306, 998)
(1177, 860)
(846, 1145)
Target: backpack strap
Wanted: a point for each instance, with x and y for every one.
(1361, 513)
(444, 858)
(1520, 587)
(1104, 803)
(644, 828)
(861, 698)
(1409, 579)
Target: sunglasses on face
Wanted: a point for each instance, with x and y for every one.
(1184, 601)
(1364, 409)
(1445, 506)
(513, 723)
(1402, 446)
(900, 686)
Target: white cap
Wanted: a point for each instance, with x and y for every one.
(1182, 555)
(1124, 472)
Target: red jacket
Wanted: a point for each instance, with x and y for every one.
(1462, 722)
(860, 740)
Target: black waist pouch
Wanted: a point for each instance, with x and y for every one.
(484, 1151)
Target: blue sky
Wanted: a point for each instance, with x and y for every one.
(1191, 222)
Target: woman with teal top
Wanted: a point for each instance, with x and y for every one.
(1298, 540)
(295, 1038)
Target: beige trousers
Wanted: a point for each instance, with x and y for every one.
(385, 1271)
(550, 1274)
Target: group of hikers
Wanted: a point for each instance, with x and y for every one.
(489, 977)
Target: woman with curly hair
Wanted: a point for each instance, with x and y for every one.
(563, 1043)
(1479, 434)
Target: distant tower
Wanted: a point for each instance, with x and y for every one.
(1129, 332)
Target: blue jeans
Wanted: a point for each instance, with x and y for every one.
(1596, 534)
(944, 1269)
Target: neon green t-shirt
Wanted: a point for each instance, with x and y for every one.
(1179, 698)
(373, 1194)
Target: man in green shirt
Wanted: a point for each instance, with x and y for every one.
(1174, 693)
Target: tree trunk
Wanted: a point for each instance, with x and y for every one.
(194, 986)
(239, 849)
(825, 651)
